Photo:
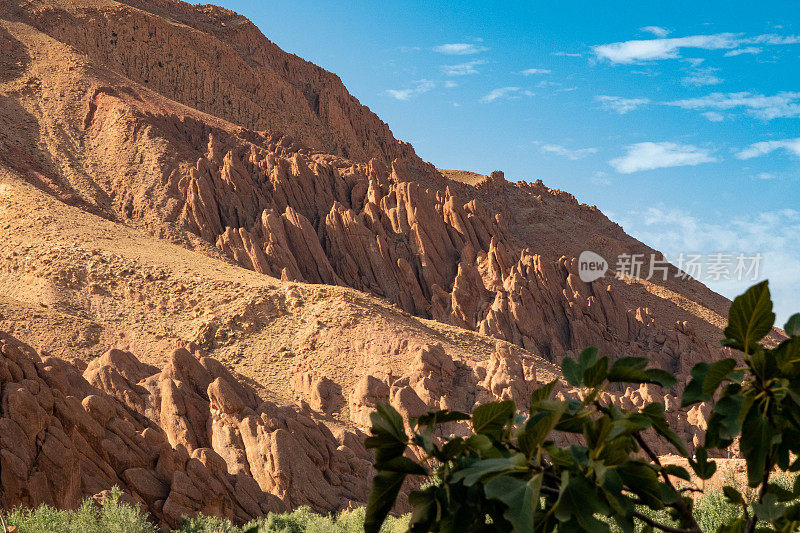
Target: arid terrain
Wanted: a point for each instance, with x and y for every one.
(215, 262)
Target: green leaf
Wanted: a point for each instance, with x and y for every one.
(385, 488)
(677, 471)
(787, 355)
(538, 428)
(521, 498)
(701, 465)
(543, 393)
(579, 500)
(492, 418)
(706, 379)
(751, 318)
(595, 374)
(402, 465)
(478, 469)
(660, 377)
(424, 509)
(389, 437)
(693, 392)
(655, 412)
(716, 374)
(733, 495)
(755, 444)
(439, 417)
(792, 327)
(642, 479)
(769, 509)
(725, 424)
(572, 371)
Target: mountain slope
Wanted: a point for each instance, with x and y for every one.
(170, 179)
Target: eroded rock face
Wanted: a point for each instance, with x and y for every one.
(289, 176)
(189, 438)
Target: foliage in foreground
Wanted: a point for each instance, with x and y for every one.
(510, 475)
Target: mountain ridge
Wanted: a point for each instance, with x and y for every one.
(319, 261)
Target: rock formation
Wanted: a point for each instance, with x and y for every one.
(174, 187)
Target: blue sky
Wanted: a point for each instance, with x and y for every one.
(680, 120)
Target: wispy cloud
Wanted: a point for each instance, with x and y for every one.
(766, 147)
(500, 93)
(463, 69)
(653, 155)
(420, 87)
(600, 178)
(771, 233)
(573, 155)
(784, 104)
(658, 31)
(567, 54)
(713, 116)
(746, 50)
(460, 49)
(701, 77)
(619, 104)
(634, 51)
(532, 71)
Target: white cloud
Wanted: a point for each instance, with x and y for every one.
(652, 155)
(635, 51)
(784, 104)
(567, 54)
(772, 234)
(619, 104)
(462, 69)
(450, 84)
(747, 50)
(713, 116)
(658, 31)
(766, 176)
(531, 71)
(459, 49)
(600, 178)
(421, 86)
(499, 93)
(702, 77)
(573, 155)
(766, 147)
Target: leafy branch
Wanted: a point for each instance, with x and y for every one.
(579, 464)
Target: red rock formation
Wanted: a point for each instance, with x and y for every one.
(189, 438)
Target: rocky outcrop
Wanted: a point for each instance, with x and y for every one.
(189, 438)
(216, 61)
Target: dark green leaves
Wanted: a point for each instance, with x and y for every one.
(492, 418)
(389, 437)
(632, 370)
(706, 379)
(521, 498)
(516, 472)
(701, 465)
(792, 327)
(655, 412)
(385, 488)
(755, 444)
(750, 318)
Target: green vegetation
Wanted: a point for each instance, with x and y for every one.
(711, 510)
(116, 517)
(512, 474)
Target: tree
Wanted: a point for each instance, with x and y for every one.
(510, 475)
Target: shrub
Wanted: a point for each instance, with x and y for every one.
(510, 475)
